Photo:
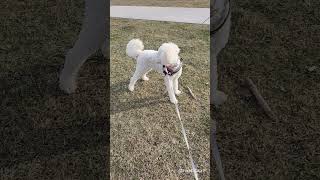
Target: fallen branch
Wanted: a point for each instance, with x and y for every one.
(253, 88)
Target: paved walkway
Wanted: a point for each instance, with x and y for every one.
(173, 14)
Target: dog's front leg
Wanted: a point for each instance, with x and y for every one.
(74, 60)
(216, 97)
(176, 83)
(176, 87)
(93, 34)
(169, 84)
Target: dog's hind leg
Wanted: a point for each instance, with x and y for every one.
(91, 38)
(140, 70)
(144, 76)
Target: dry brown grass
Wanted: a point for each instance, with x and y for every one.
(273, 43)
(45, 134)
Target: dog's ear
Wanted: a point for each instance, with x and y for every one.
(177, 49)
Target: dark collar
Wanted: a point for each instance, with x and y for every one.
(171, 72)
(223, 22)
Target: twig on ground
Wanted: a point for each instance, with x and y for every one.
(191, 93)
(259, 98)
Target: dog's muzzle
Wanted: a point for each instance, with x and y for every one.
(167, 70)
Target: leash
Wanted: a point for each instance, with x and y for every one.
(221, 24)
(183, 130)
(206, 20)
(216, 153)
(194, 168)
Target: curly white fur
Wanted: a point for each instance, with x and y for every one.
(167, 54)
(134, 48)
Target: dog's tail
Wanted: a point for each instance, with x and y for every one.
(134, 48)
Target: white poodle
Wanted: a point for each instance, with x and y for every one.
(166, 61)
(93, 36)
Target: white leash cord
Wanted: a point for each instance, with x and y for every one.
(216, 153)
(194, 168)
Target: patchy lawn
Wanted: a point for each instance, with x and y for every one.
(45, 134)
(146, 140)
(274, 43)
(163, 3)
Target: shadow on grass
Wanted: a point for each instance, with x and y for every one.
(118, 91)
(40, 124)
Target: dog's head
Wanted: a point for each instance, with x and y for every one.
(169, 54)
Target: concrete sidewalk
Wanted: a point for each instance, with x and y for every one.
(172, 14)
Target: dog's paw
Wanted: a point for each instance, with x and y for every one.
(67, 84)
(131, 87)
(178, 92)
(174, 101)
(219, 98)
(145, 78)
